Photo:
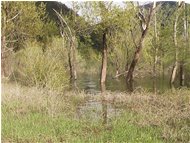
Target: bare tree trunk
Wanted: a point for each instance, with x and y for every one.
(154, 70)
(73, 51)
(70, 63)
(127, 64)
(182, 63)
(162, 66)
(155, 53)
(104, 59)
(175, 67)
(72, 59)
(117, 69)
(70, 53)
(130, 86)
(72, 45)
(136, 56)
(4, 49)
(145, 22)
(3, 42)
(129, 77)
(174, 72)
(3, 58)
(182, 74)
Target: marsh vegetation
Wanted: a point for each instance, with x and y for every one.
(36, 115)
(95, 72)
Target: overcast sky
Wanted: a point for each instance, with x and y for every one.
(119, 2)
(68, 2)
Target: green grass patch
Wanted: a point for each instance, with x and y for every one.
(38, 127)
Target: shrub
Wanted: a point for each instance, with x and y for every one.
(43, 68)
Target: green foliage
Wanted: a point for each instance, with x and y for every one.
(91, 56)
(36, 20)
(42, 68)
(118, 51)
(21, 21)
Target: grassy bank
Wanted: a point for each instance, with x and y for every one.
(31, 114)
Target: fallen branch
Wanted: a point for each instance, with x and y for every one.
(118, 75)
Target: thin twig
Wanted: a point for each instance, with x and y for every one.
(13, 17)
(64, 22)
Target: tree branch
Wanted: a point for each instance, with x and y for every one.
(62, 19)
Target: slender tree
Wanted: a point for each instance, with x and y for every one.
(185, 35)
(176, 64)
(155, 51)
(68, 34)
(144, 23)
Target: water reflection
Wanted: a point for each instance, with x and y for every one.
(104, 104)
(154, 85)
(100, 111)
(91, 84)
(104, 112)
(130, 86)
(73, 85)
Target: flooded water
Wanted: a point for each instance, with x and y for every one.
(91, 83)
(94, 111)
(104, 111)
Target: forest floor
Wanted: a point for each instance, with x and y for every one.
(32, 115)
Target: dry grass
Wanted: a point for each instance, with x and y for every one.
(168, 112)
(24, 99)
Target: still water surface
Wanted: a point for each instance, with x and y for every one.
(104, 111)
(91, 83)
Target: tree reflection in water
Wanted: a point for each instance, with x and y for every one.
(104, 104)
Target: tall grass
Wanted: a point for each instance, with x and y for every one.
(40, 67)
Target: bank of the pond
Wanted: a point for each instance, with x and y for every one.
(37, 115)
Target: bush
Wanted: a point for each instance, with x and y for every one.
(35, 67)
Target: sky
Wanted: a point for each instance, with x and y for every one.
(67, 2)
(119, 2)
